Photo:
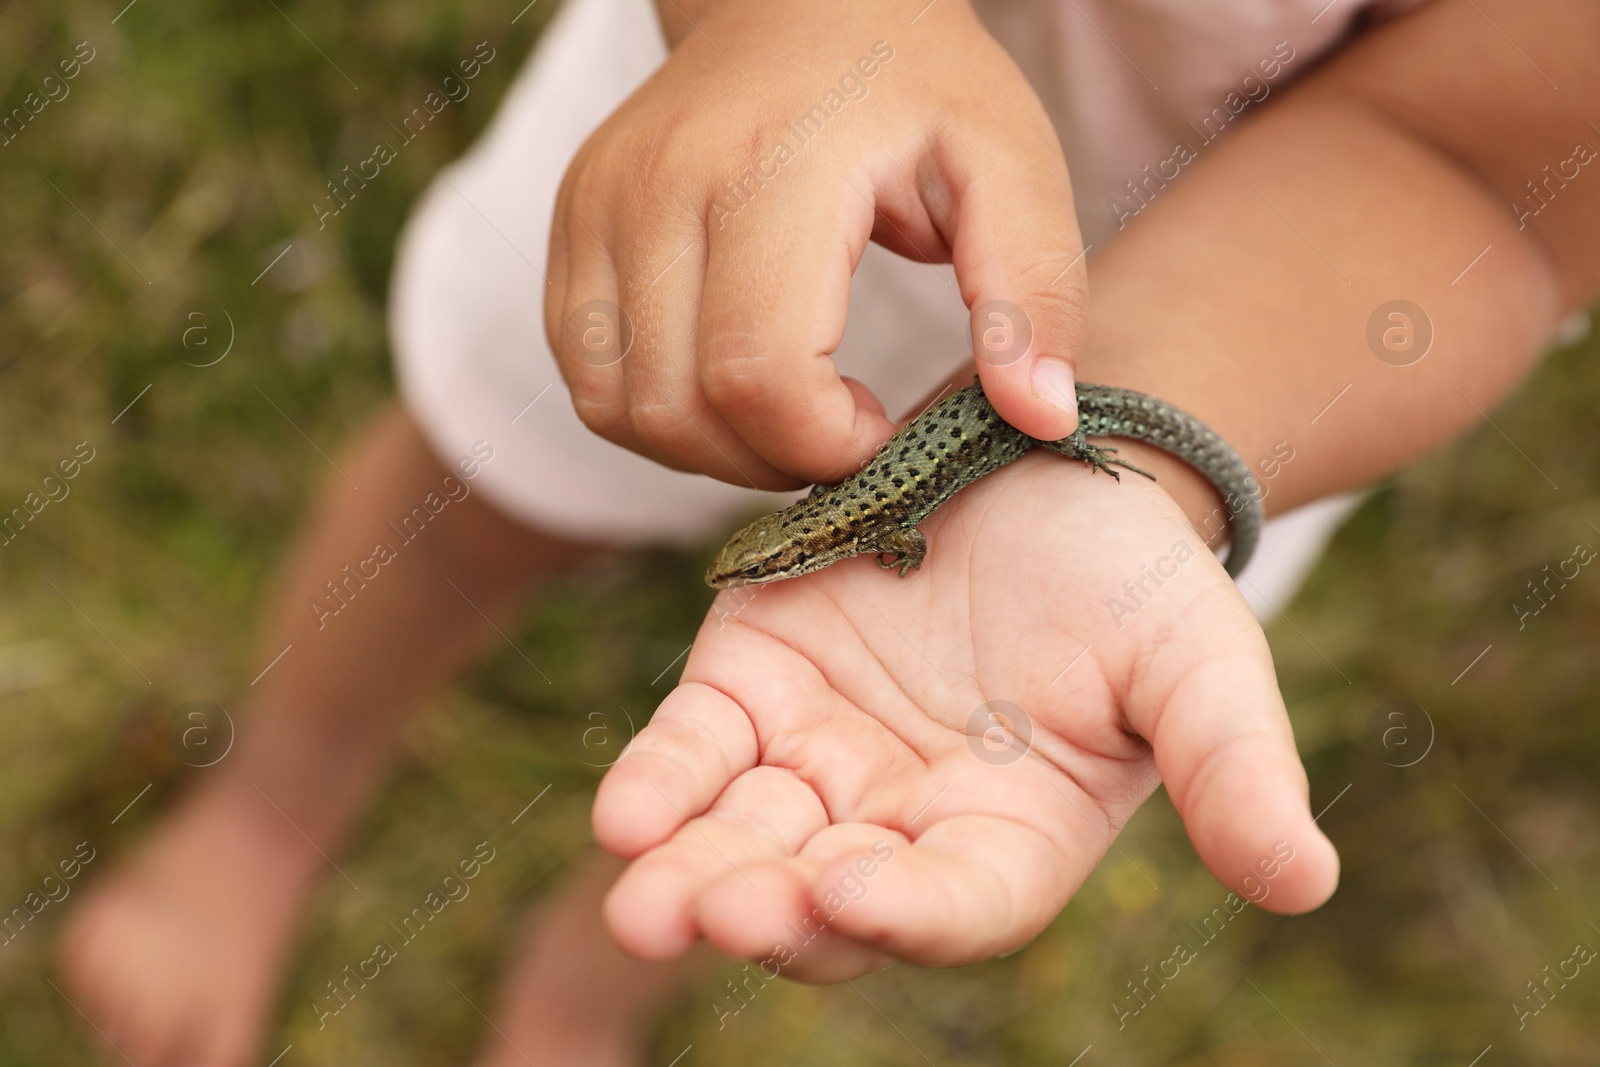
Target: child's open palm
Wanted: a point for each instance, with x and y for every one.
(990, 719)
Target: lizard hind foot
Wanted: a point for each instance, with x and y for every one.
(903, 548)
(905, 562)
(1098, 457)
(1125, 465)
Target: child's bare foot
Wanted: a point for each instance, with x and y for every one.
(573, 997)
(176, 958)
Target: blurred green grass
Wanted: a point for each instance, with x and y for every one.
(194, 145)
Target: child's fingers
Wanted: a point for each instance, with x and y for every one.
(776, 913)
(766, 914)
(763, 814)
(777, 286)
(970, 887)
(663, 272)
(1019, 258)
(587, 330)
(698, 742)
(1225, 750)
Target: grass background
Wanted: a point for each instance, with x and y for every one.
(195, 143)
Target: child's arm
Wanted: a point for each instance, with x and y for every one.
(1246, 291)
(838, 711)
(725, 205)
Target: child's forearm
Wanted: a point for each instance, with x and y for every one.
(1245, 289)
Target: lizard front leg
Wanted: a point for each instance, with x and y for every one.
(906, 549)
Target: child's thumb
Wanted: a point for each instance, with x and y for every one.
(1020, 261)
(1227, 756)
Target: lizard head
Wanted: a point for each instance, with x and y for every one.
(761, 552)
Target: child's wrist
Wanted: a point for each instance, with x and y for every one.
(1196, 497)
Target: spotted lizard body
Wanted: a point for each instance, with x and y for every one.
(948, 447)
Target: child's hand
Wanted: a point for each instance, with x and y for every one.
(725, 205)
(990, 720)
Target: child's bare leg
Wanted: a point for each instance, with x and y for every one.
(574, 997)
(177, 957)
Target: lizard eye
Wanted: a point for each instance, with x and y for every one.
(753, 572)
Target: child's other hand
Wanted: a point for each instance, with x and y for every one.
(724, 207)
(937, 762)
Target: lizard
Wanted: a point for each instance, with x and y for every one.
(952, 444)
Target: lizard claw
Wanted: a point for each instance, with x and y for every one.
(1128, 466)
(1098, 457)
(904, 561)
